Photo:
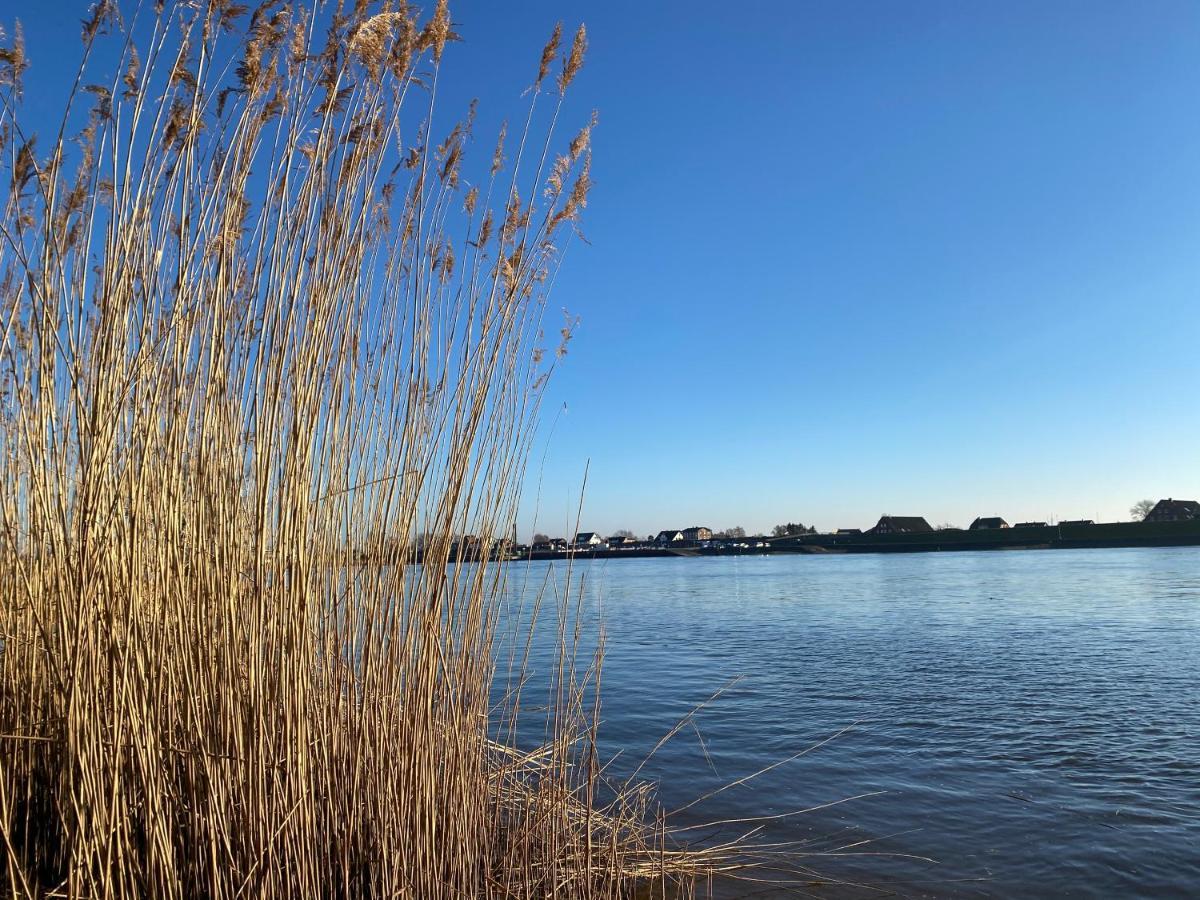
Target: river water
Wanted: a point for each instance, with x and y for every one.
(1031, 718)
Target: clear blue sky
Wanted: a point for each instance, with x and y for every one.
(848, 258)
(935, 259)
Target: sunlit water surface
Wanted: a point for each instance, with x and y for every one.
(1030, 717)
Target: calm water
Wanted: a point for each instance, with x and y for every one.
(1031, 716)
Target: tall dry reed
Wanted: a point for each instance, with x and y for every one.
(266, 344)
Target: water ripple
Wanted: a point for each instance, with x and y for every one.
(1031, 716)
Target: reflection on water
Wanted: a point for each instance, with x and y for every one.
(1031, 716)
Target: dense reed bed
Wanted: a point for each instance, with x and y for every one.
(267, 340)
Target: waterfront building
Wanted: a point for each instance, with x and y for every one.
(589, 539)
(901, 525)
(670, 536)
(697, 533)
(1171, 510)
(988, 522)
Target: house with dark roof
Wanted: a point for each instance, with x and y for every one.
(697, 533)
(621, 540)
(848, 531)
(589, 539)
(985, 522)
(901, 525)
(1030, 525)
(1171, 510)
(670, 536)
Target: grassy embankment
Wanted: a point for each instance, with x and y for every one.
(259, 322)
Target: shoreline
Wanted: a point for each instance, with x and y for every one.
(1108, 535)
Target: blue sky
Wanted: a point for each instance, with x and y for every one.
(853, 258)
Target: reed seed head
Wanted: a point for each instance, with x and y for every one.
(549, 53)
(574, 60)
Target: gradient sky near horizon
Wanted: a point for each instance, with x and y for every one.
(853, 258)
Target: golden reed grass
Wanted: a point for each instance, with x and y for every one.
(265, 346)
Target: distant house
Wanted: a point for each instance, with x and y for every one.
(1030, 525)
(621, 540)
(849, 531)
(670, 536)
(1171, 510)
(697, 533)
(986, 522)
(588, 539)
(1077, 522)
(552, 544)
(901, 525)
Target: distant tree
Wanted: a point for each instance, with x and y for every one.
(624, 532)
(1141, 509)
(737, 531)
(540, 538)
